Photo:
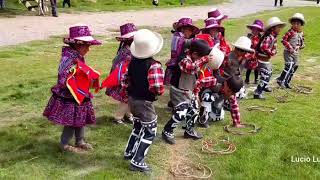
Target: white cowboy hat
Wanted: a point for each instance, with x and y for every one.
(146, 44)
(274, 21)
(298, 16)
(243, 43)
(216, 57)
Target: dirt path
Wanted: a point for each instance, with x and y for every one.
(27, 28)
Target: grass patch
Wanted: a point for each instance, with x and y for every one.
(28, 143)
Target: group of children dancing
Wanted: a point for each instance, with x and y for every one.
(203, 74)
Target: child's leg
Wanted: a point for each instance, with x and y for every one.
(120, 112)
(80, 142)
(265, 70)
(248, 75)
(66, 136)
(79, 134)
(191, 118)
(256, 75)
(133, 139)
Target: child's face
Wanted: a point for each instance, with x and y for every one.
(255, 31)
(213, 31)
(187, 31)
(277, 29)
(296, 25)
(83, 49)
(195, 56)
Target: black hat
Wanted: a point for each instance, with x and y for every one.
(235, 83)
(200, 46)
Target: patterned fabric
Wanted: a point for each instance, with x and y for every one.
(206, 80)
(269, 44)
(82, 78)
(62, 108)
(188, 66)
(156, 79)
(177, 47)
(265, 73)
(251, 59)
(67, 112)
(123, 54)
(235, 110)
(293, 40)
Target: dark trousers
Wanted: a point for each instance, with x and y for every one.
(2, 4)
(276, 2)
(54, 7)
(256, 73)
(66, 2)
(68, 132)
(318, 1)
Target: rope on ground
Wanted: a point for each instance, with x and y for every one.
(183, 168)
(303, 89)
(282, 96)
(268, 109)
(237, 131)
(209, 146)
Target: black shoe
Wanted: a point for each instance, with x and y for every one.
(206, 125)
(55, 15)
(258, 96)
(279, 83)
(192, 134)
(247, 81)
(127, 157)
(154, 2)
(267, 89)
(141, 169)
(168, 138)
(287, 86)
(128, 119)
(203, 122)
(281, 4)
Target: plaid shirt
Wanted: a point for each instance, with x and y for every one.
(286, 38)
(235, 110)
(255, 39)
(206, 80)
(269, 44)
(156, 79)
(188, 66)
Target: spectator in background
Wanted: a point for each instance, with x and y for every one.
(66, 2)
(2, 4)
(54, 8)
(276, 2)
(318, 1)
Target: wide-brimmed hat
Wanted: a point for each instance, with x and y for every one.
(243, 43)
(212, 23)
(146, 44)
(127, 31)
(216, 14)
(216, 57)
(298, 16)
(80, 34)
(274, 21)
(186, 21)
(256, 24)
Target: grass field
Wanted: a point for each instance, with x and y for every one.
(29, 143)
(14, 8)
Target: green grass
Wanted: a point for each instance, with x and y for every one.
(29, 143)
(14, 8)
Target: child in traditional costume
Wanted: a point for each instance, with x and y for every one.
(127, 31)
(251, 63)
(267, 48)
(213, 98)
(184, 32)
(143, 83)
(185, 106)
(70, 104)
(293, 42)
